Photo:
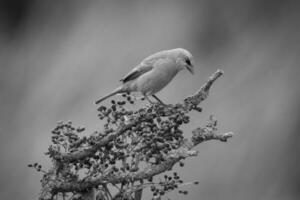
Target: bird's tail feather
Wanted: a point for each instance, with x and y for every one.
(116, 91)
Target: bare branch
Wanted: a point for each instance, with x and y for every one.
(202, 94)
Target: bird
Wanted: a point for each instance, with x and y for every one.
(154, 73)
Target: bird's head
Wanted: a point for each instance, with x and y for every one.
(184, 59)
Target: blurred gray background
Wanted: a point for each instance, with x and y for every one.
(58, 57)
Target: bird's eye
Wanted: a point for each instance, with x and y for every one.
(188, 61)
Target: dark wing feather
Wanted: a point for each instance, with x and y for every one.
(136, 72)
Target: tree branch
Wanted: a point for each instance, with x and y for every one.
(199, 135)
(203, 92)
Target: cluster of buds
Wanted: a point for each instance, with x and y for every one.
(36, 166)
(168, 184)
(152, 133)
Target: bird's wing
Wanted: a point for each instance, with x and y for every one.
(146, 65)
(137, 71)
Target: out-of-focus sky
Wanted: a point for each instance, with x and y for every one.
(58, 57)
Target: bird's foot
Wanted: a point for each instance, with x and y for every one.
(158, 100)
(151, 103)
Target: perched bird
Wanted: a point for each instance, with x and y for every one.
(154, 73)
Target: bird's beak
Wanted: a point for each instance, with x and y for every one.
(190, 68)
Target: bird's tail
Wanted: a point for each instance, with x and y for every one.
(116, 91)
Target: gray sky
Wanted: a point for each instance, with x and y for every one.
(57, 58)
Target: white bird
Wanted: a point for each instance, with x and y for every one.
(154, 73)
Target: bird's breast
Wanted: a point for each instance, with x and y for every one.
(154, 80)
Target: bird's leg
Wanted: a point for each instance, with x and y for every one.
(160, 101)
(147, 98)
